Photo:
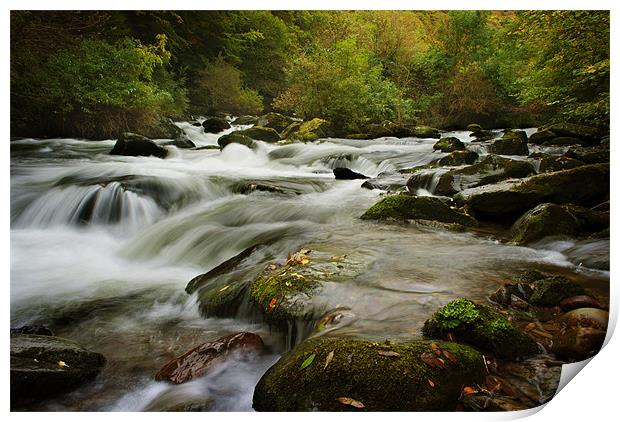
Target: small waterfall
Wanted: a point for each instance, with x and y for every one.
(424, 182)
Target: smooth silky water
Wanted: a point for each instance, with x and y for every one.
(103, 246)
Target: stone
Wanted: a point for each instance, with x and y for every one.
(215, 125)
(449, 144)
(458, 158)
(132, 144)
(343, 173)
(276, 121)
(237, 138)
(259, 133)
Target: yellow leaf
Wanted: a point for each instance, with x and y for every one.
(62, 364)
(224, 288)
(329, 358)
(304, 261)
(351, 402)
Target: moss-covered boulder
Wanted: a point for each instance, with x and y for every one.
(553, 220)
(338, 374)
(235, 138)
(164, 129)
(276, 121)
(408, 207)
(245, 120)
(583, 185)
(564, 140)
(482, 135)
(550, 291)
(290, 129)
(491, 169)
(215, 124)
(291, 291)
(542, 136)
(449, 144)
(589, 134)
(312, 130)
(259, 133)
(42, 366)
(481, 326)
(425, 132)
(588, 155)
(548, 163)
(511, 143)
(133, 144)
(458, 158)
(473, 127)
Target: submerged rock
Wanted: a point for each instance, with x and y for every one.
(40, 330)
(491, 169)
(43, 365)
(237, 138)
(337, 374)
(265, 134)
(343, 173)
(276, 121)
(215, 125)
(409, 207)
(551, 219)
(582, 185)
(449, 144)
(198, 361)
(458, 158)
(482, 327)
(132, 144)
(564, 140)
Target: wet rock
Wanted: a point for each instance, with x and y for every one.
(290, 129)
(387, 181)
(579, 301)
(359, 371)
(182, 142)
(541, 136)
(165, 129)
(458, 158)
(177, 399)
(582, 185)
(265, 134)
(40, 330)
(549, 163)
(237, 138)
(586, 317)
(588, 155)
(482, 135)
(198, 361)
(245, 120)
(582, 334)
(449, 144)
(311, 131)
(552, 290)
(564, 140)
(589, 134)
(208, 147)
(343, 173)
(491, 169)
(132, 144)
(291, 291)
(491, 403)
(215, 125)
(553, 220)
(591, 253)
(245, 188)
(481, 326)
(43, 366)
(386, 129)
(408, 207)
(473, 127)
(276, 121)
(511, 143)
(425, 132)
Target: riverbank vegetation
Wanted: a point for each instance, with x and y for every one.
(95, 74)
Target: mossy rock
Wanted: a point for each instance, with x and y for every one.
(245, 120)
(582, 185)
(458, 158)
(398, 380)
(42, 366)
(165, 129)
(491, 169)
(482, 135)
(388, 129)
(215, 124)
(511, 144)
(425, 132)
(409, 207)
(588, 155)
(290, 129)
(542, 136)
(549, 163)
(259, 133)
(449, 144)
(363, 136)
(474, 127)
(276, 121)
(553, 220)
(550, 291)
(235, 138)
(564, 140)
(482, 327)
(589, 134)
(291, 291)
(313, 130)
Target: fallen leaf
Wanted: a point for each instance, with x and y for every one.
(224, 288)
(450, 356)
(304, 261)
(272, 267)
(272, 303)
(469, 390)
(329, 358)
(431, 383)
(351, 402)
(338, 257)
(62, 364)
(308, 361)
(389, 354)
(436, 348)
(433, 361)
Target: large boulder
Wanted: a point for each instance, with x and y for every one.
(165, 129)
(245, 120)
(589, 134)
(42, 366)
(583, 185)
(548, 163)
(276, 121)
(541, 136)
(491, 169)
(552, 220)
(311, 130)
(236, 138)
(265, 134)
(408, 207)
(449, 144)
(385, 129)
(481, 326)
(201, 359)
(473, 127)
(588, 155)
(425, 132)
(458, 158)
(343, 173)
(582, 333)
(182, 142)
(290, 130)
(482, 135)
(512, 143)
(215, 125)
(134, 145)
(338, 374)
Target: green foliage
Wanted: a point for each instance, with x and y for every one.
(457, 312)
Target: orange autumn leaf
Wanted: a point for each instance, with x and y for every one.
(351, 402)
(469, 390)
(272, 303)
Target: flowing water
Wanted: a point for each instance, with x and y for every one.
(103, 246)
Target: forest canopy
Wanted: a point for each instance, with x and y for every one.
(94, 74)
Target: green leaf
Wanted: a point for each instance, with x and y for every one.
(308, 361)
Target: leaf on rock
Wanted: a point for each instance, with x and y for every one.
(329, 358)
(351, 402)
(272, 267)
(436, 348)
(450, 356)
(338, 257)
(62, 364)
(389, 354)
(433, 361)
(469, 390)
(431, 383)
(304, 261)
(308, 361)
(225, 288)
(272, 303)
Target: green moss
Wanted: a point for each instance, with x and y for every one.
(544, 220)
(449, 144)
(480, 326)
(403, 207)
(473, 127)
(312, 130)
(290, 129)
(458, 158)
(359, 371)
(425, 132)
(550, 291)
(276, 121)
(235, 137)
(260, 133)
